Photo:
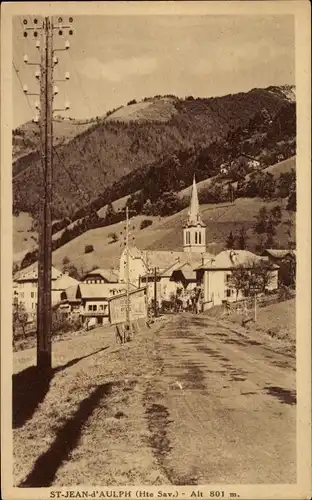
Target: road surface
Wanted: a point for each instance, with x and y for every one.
(189, 401)
(224, 406)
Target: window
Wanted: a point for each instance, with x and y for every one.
(94, 307)
(32, 294)
(101, 307)
(227, 279)
(228, 292)
(89, 308)
(199, 238)
(196, 237)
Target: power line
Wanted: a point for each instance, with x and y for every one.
(21, 85)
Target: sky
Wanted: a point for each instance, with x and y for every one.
(114, 59)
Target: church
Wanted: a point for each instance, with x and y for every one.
(170, 269)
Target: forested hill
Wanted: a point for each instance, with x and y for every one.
(111, 156)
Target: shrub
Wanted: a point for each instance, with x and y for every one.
(89, 249)
(146, 223)
(113, 236)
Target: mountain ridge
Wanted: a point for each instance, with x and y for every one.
(112, 147)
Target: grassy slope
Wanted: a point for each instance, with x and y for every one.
(166, 233)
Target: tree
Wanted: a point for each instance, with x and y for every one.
(20, 318)
(261, 221)
(113, 237)
(292, 201)
(15, 268)
(271, 232)
(110, 215)
(239, 279)
(73, 272)
(242, 238)
(230, 241)
(145, 223)
(276, 214)
(251, 278)
(65, 261)
(89, 248)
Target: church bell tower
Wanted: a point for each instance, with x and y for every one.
(194, 230)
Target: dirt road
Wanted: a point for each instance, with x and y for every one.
(222, 408)
(189, 401)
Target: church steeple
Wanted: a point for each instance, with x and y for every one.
(193, 213)
(194, 231)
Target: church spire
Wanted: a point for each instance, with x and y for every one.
(193, 213)
(194, 231)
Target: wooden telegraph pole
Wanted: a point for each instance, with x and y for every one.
(155, 292)
(44, 313)
(47, 62)
(147, 283)
(127, 269)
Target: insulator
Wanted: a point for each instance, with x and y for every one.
(37, 74)
(35, 34)
(37, 44)
(25, 21)
(71, 19)
(67, 105)
(35, 21)
(26, 58)
(25, 34)
(55, 90)
(60, 32)
(60, 20)
(36, 119)
(25, 89)
(55, 60)
(67, 75)
(70, 32)
(67, 44)
(37, 105)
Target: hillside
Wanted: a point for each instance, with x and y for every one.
(26, 138)
(89, 158)
(166, 233)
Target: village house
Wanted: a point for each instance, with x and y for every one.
(25, 288)
(90, 301)
(101, 276)
(170, 269)
(215, 276)
(286, 261)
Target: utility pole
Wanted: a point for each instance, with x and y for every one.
(155, 292)
(127, 269)
(147, 282)
(44, 315)
(255, 307)
(47, 92)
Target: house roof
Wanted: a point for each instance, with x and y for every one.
(30, 273)
(71, 293)
(100, 290)
(63, 282)
(187, 270)
(110, 275)
(166, 260)
(228, 259)
(278, 253)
